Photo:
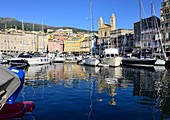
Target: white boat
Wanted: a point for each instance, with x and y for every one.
(3, 58)
(70, 56)
(92, 61)
(111, 57)
(32, 59)
(160, 62)
(59, 58)
(9, 83)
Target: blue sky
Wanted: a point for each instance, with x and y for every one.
(75, 13)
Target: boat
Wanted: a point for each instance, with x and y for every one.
(9, 83)
(141, 60)
(59, 58)
(160, 62)
(18, 63)
(160, 54)
(16, 110)
(92, 60)
(111, 57)
(70, 57)
(30, 59)
(4, 57)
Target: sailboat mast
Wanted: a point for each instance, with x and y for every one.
(5, 35)
(152, 27)
(140, 13)
(91, 27)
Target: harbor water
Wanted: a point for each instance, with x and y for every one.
(66, 91)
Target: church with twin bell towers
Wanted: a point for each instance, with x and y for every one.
(105, 29)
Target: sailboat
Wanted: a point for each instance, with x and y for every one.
(92, 60)
(161, 56)
(141, 60)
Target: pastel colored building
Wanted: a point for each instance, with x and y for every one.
(56, 41)
(55, 45)
(73, 44)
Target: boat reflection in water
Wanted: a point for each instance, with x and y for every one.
(108, 82)
(74, 92)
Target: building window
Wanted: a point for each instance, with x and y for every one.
(149, 44)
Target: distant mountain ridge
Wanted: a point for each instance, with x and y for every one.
(13, 23)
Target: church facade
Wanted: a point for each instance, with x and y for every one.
(105, 29)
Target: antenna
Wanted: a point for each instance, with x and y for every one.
(151, 8)
(42, 26)
(23, 36)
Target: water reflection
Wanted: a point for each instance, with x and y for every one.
(153, 87)
(145, 87)
(164, 92)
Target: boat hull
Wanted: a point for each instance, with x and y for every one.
(29, 61)
(59, 60)
(16, 110)
(113, 62)
(139, 62)
(38, 61)
(160, 62)
(91, 61)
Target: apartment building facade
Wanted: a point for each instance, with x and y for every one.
(165, 25)
(16, 41)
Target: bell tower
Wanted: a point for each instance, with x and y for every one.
(113, 22)
(100, 25)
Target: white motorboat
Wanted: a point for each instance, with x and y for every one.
(32, 59)
(59, 58)
(111, 57)
(70, 56)
(92, 61)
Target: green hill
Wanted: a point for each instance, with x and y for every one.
(13, 23)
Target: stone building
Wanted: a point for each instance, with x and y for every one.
(165, 25)
(16, 41)
(147, 33)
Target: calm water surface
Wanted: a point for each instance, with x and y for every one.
(75, 92)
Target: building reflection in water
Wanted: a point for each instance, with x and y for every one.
(164, 92)
(151, 86)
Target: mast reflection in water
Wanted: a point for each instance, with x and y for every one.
(69, 91)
